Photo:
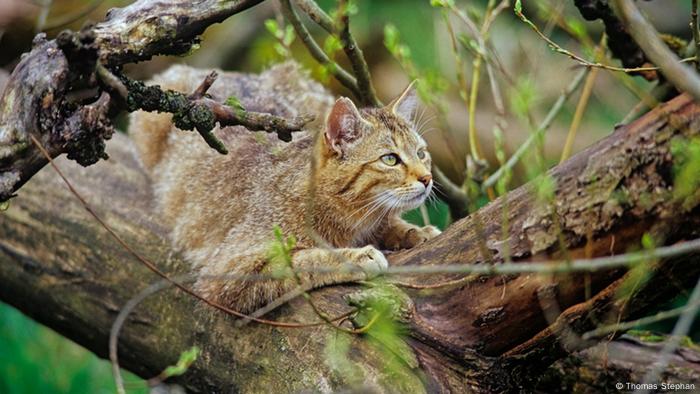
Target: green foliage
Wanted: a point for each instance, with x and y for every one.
(280, 254)
(351, 9)
(646, 336)
(34, 359)
(285, 36)
(382, 311)
(430, 83)
(187, 357)
(686, 168)
(442, 3)
(640, 273)
(666, 326)
(337, 357)
(4, 206)
(499, 149)
(331, 46)
(235, 103)
(518, 7)
(545, 188)
(523, 96)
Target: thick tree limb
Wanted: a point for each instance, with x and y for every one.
(485, 333)
(147, 28)
(53, 92)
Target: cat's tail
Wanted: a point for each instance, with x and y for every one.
(150, 130)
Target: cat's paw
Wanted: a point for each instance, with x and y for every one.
(371, 260)
(417, 235)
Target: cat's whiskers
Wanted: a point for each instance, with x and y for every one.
(422, 133)
(438, 188)
(380, 202)
(371, 200)
(424, 121)
(387, 209)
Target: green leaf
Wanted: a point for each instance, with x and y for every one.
(289, 35)
(648, 241)
(332, 45)
(546, 186)
(441, 3)
(273, 27)
(391, 37)
(279, 254)
(235, 103)
(518, 7)
(4, 205)
(186, 359)
(686, 168)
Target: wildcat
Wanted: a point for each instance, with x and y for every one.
(370, 166)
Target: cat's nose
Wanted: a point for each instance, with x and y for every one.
(425, 179)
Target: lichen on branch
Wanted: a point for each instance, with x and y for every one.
(201, 113)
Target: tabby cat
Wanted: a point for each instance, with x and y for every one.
(370, 166)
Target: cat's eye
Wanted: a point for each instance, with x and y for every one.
(391, 159)
(421, 153)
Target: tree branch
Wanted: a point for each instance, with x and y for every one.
(682, 76)
(148, 28)
(315, 50)
(40, 99)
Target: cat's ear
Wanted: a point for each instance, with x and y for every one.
(406, 104)
(343, 126)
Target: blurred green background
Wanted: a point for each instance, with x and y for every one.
(34, 359)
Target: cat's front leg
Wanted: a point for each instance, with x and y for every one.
(313, 265)
(400, 234)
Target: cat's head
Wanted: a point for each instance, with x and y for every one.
(376, 155)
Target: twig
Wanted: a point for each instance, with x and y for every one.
(197, 111)
(682, 76)
(317, 14)
(43, 14)
(680, 330)
(557, 48)
(582, 104)
(525, 146)
(111, 81)
(454, 194)
(477, 152)
(368, 96)
(316, 52)
(696, 30)
(553, 266)
(203, 88)
(121, 319)
(664, 315)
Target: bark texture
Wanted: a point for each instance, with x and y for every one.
(485, 334)
(54, 93)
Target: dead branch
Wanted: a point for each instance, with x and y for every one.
(53, 94)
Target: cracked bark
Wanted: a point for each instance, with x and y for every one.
(37, 100)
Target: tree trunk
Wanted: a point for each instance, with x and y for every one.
(487, 333)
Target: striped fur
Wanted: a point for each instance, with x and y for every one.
(222, 209)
